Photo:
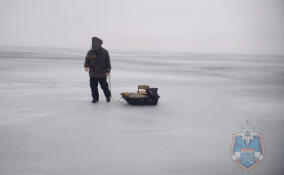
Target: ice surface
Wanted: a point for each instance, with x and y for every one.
(48, 125)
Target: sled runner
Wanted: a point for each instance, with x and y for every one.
(144, 96)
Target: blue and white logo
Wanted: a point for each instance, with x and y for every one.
(247, 148)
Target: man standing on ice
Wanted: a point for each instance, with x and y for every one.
(97, 63)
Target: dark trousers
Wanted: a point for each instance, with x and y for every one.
(94, 87)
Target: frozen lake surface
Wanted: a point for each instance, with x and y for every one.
(48, 125)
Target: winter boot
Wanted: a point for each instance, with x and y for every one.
(95, 100)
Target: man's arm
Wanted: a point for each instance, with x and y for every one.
(87, 63)
(108, 65)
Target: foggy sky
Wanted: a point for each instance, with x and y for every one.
(217, 26)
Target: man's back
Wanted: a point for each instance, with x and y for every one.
(98, 62)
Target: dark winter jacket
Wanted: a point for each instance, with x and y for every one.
(98, 62)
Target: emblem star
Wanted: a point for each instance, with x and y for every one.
(247, 133)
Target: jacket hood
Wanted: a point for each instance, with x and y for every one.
(96, 43)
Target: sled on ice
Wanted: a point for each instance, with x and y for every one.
(144, 96)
